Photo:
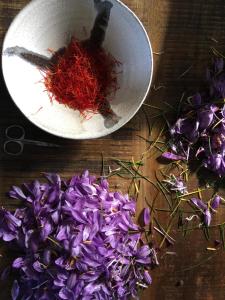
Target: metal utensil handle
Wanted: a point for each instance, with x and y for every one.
(39, 143)
(14, 127)
(17, 142)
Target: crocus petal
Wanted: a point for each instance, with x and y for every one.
(66, 294)
(8, 237)
(199, 203)
(205, 119)
(18, 193)
(146, 216)
(216, 202)
(53, 178)
(15, 290)
(172, 156)
(18, 263)
(207, 217)
(72, 281)
(147, 277)
(86, 232)
(38, 267)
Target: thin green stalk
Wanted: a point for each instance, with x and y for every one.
(198, 264)
(164, 194)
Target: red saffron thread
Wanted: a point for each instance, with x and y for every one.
(82, 77)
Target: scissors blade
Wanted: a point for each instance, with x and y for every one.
(39, 143)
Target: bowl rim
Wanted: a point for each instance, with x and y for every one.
(115, 128)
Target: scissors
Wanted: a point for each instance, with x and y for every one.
(14, 145)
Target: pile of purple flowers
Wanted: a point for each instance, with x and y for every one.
(77, 241)
(199, 132)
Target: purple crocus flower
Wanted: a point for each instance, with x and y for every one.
(176, 184)
(204, 208)
(78, 240)
(199, 131)
(9, 225)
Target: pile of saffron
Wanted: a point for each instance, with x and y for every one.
(82, 77)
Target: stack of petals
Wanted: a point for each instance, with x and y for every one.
(77, 241)
(200, 130)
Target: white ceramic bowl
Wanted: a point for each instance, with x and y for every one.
(50, 24)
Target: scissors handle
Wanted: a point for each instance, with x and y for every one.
(39, 143)
(13, 147)
(15, 132)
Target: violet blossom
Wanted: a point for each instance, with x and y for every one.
(176, 184)
(199, 131)
(207, 209)
(77, 240)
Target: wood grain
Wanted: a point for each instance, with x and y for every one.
(183, 30)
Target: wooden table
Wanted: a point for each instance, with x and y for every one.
(185, 31)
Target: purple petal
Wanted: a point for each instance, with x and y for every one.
(199, 203)
(91, 288)
(208, 217)
(18, 193)
(131, 206)
(8, 237)
(13, 221)
(144, 261)
(60, 262)
(216, 202)
(62, 234)
(53, 178)
(146, 216)
(86, 232)
(15, 290)
(46, 229)
(205, 118)
(173, 157)
(89, 189)
(55, 217)
(59, 283)
(66, 294)
(38, 267)
(104, 184)
(147, 277)
(78, 216)
(77, 239)
(72, 281)
(18, 263)
(144, 251)
(47, 256)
